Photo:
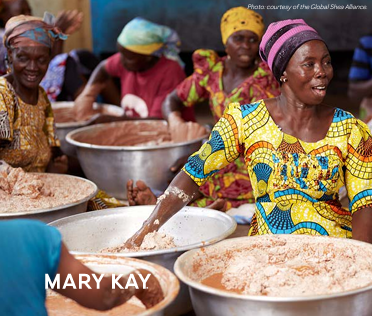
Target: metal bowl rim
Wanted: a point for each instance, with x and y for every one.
(70, 140)
(69, 104)
(194, 210)
(57, 208)
(272, 299)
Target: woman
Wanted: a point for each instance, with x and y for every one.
(360, 78)
(31, 250)
(27, 133)
(238, 77)
(148, 67)
(64, 80)
(298, 151)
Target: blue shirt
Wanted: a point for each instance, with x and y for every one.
(361, 68)
(29, 250)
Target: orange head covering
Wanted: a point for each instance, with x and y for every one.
(238, 19)
(24, 30)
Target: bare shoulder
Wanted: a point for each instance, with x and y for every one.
(272, 106)
(326, 111)
(270, 102)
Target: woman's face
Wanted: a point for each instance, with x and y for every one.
(135, 62)
(29, 65)
(242, 47)
(309, 72)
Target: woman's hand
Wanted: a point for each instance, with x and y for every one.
(362, 225)
(182, 131)
(153, 294)
(137, 239)
(69, 21)
(4, 167)
(58, 165)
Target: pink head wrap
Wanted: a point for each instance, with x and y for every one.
(281, 40)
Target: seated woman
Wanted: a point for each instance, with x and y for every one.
(238, 77)
(148, 66)
(27, 133)
(64, 79)
(299, 151)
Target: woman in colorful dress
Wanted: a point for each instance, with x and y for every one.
(299, 152)
(27, 133)
(64, 79)
(238, 77)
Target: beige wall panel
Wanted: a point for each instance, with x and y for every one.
(82, 38)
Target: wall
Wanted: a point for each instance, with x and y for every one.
(197, 21)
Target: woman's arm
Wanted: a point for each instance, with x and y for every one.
(172, 103)
(105, 297)
(179, 129)
(210, 158)
(58, 162)
(98, 82)
(362, 224)
(179, 193)
(360, 90)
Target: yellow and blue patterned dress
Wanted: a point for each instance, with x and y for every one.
(295, 183)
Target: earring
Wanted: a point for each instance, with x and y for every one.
(228, 57)
(7, 65)
(283, 80)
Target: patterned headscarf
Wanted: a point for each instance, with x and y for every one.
(148, 38)
(238, 19)
(281, 40)
(24, 30)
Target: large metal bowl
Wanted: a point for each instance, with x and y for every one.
(110, 167)
(55, 213)
(114, 264)
(209, 301)
(192, 227)
(63, 129)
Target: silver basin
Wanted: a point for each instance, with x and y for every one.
(110, 167)
(119, 265)
(55, 213)
(209, 301)
(63, 129)
(192, 228)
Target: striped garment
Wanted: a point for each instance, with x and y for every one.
(361, 68)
